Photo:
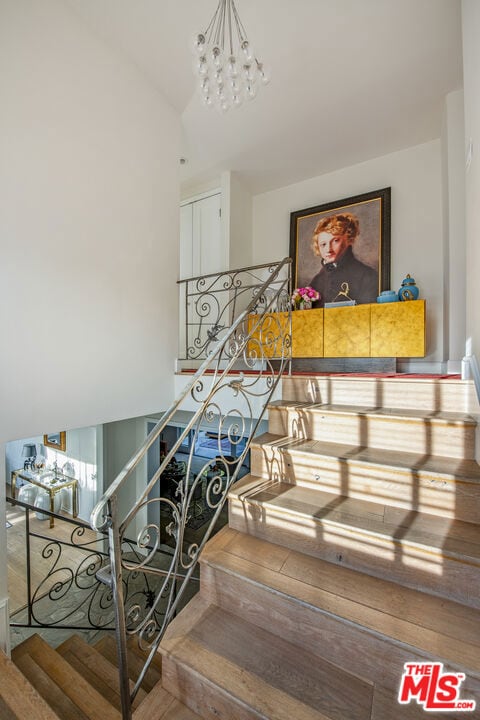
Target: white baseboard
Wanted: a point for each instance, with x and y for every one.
(4, 627)
(454, 367)
(421, 367)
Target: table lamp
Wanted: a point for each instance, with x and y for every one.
(29, 452)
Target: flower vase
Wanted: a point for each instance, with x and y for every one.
(305, 304)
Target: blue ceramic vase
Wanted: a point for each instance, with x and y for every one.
(408, 291)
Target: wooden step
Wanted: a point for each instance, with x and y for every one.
(366, 625)
(136, 659)
(224, 667)
(441, 433)
(444, 394)
(19, 700)
(437, 485)
(96, 669)
(436, 554)
(60, 685)
(161, 705)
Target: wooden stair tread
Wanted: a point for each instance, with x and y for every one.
(49, 689)
(437, 534)
(407, 414)
(133, 647)
(442, 628)
(18, 697)
(63, 681)
(108, 648)
(446, 468)
(265, 672)
(96, 669)
(161, 705)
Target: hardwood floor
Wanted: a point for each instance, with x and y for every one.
(44, 553)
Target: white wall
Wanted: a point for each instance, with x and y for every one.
(240, 223)
(120, 440)
(471, 70)
(453, 158)
(414, 175)
(88, 209)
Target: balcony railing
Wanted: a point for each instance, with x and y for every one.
(67, 575)
(211, 303)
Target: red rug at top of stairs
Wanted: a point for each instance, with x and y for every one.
(421, 376)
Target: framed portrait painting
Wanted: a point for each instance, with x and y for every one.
(342, 248)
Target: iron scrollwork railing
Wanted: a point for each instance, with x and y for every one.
(232, 404)
(63, 577)
(212, 303)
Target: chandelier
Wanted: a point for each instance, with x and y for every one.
(225, 62)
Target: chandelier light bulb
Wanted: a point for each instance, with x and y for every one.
(198, 43)
(232, 66)
(218, 77)
(235, 86)
(225, 62)
(201, 67)
(250, 72)
(251, 91)
(217, 57)
(248, 51)
(263, 73)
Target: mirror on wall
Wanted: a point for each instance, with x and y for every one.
(57, 440)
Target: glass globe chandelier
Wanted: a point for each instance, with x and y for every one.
(225, 63)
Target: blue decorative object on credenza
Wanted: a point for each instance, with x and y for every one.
(408, 291)
(387, 296)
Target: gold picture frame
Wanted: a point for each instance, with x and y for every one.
(57, 441)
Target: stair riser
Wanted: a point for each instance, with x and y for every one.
(409, 489)
(379, 556)
(427, 437)
(428, 394)
(205, 699)
(364, 653)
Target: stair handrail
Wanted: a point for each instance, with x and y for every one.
(114, 487)
(260, 335)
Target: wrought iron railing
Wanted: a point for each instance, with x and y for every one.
(231, 405)
(211, 303)
(65, 572)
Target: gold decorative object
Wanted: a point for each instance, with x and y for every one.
(344, 290)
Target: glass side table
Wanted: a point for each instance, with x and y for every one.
(52, 484)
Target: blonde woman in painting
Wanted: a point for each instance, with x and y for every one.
(333, 240)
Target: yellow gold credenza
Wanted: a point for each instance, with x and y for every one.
(378, 330)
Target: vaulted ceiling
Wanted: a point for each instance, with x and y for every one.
(351, 79)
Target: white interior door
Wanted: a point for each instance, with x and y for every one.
(202, 250)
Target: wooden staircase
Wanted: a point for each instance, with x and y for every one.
(78, 681)
(352, 548)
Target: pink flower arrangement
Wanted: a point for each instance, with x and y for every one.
(302, 298)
